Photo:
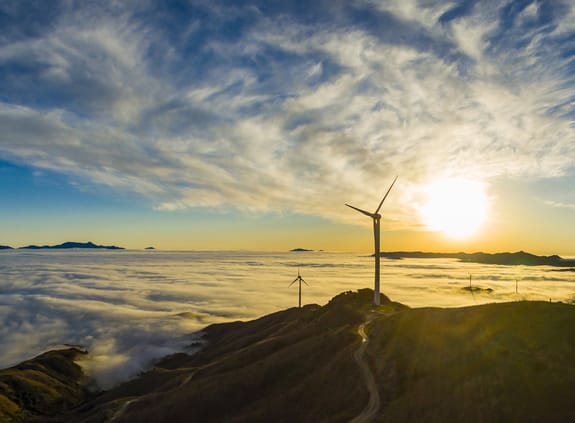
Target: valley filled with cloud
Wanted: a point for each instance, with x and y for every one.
(129, 308)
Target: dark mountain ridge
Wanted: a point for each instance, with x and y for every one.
(508, 259)
(69, 245)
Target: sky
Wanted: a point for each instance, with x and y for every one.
(249, 124)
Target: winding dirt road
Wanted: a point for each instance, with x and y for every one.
(127, 402)
(372, 407)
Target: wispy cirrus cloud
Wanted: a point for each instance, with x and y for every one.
(561, 205)
(275, 108)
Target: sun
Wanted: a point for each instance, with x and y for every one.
(455, 207)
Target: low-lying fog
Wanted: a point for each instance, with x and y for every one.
(128, 307)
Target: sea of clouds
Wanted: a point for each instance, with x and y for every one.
(128, 308)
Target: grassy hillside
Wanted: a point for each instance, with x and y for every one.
(489, 363)
(294, 365)
(43, 386)
(496, 362)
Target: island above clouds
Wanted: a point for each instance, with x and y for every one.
(65, 246)
(507, 259)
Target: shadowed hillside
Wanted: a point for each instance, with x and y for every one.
(43, 386)
(492, 363)
(496, 362)
(519, 258)
(294, 365)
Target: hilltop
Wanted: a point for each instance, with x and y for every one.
(495, 362)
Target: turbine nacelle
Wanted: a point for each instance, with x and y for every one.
(300, 280)
(375, 215)
(372, 215)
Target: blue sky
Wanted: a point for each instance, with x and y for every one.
(189, 124)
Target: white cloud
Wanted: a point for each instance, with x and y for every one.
(470, 36)
(561, 205)
(413, 10)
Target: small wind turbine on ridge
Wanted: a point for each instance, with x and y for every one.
(376, 234)
(300, 279)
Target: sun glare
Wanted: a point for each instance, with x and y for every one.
(455, 207)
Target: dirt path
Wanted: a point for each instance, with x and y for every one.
(123, 408)
(372, 407)
(120, 411)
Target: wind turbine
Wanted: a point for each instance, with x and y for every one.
(376, 218)
(300, 279)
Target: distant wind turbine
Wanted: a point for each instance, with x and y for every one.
(376, 233)
(300, 279)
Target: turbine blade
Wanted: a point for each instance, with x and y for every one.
(304, 282)
(294, 281)
(361, 211)
(385, 196)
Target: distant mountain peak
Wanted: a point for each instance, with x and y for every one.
(508, 259)
(71, 244)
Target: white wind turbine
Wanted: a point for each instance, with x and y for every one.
(376, 218)
(300, 279)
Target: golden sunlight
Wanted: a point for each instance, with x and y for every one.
(455, 207)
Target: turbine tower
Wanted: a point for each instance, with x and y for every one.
(300, 279)
(376, 218)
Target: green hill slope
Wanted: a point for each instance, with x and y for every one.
(294, 365)
(493, 363)
(43, 386)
